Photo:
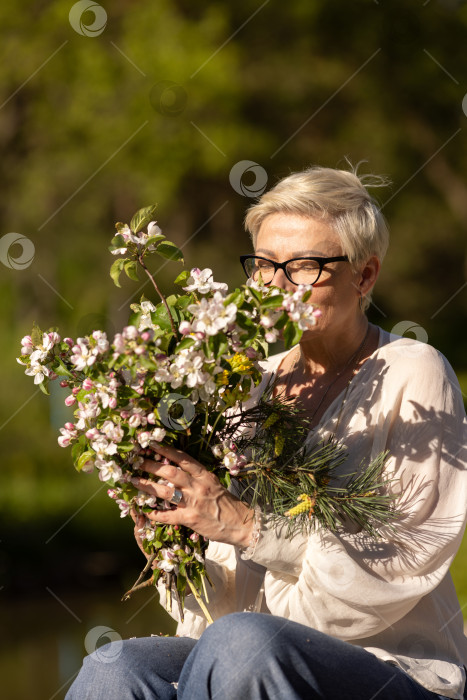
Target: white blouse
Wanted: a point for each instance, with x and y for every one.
(394, 595)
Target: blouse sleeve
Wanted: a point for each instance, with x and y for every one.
(351, 585)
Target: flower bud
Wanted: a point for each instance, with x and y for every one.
(69, 341)
(69, 426)
(88, 384)
(75, 390)
(112, 402)
(64, 383)
(70, 400)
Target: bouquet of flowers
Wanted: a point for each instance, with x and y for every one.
(181, 373)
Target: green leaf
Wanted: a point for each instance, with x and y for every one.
(292, 335)
(134, 319)
(183, 301)
(169, 251)
(131, 270)
(155, 239)
(182, 278)
(61, 369)
(161, 318)
(36, 334)
(117, 242)
(125, 446)
(116, 270)
(185, 343)
(142, 218)
(272, 302)
(43, 387)
(77, 450)
(84, 459)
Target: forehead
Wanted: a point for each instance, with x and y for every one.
(293, 235)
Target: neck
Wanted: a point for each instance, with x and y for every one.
(329, 353)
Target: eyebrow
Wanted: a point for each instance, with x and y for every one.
(297, 254)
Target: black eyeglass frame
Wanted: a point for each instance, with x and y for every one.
(282, 266)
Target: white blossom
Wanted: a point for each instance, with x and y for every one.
(108, 470)
(37, 371)
(211, 315)
(202, 281)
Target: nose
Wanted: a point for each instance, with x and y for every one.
(280, 280)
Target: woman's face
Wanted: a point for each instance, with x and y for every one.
(337, 292)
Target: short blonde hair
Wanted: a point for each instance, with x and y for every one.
(341, 198)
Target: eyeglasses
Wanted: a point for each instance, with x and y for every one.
(297, 270)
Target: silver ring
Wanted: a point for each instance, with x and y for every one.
(176, 497)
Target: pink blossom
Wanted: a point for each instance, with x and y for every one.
(70, 400)
(92, 434)
(88, 384)
(124, 507)
(27, 345)
(54, 337)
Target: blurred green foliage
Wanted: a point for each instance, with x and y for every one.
(159, 107)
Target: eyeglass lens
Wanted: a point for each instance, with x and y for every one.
(299, 271)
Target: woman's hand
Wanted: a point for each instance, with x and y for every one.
(206, 507)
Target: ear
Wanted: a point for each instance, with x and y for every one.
(368, 275)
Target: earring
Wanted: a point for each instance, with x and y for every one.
(360, 302)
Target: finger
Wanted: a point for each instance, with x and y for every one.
(153, 488)
(167, 517)
(170, 472)
(184, 461)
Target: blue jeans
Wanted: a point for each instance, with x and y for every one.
(243, 656)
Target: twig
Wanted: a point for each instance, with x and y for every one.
(163, 299)
(200, 602)
(138, 587)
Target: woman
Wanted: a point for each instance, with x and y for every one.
(347, 616)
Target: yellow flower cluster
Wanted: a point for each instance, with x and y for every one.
(307, 504)
(241, 364)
